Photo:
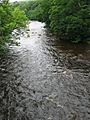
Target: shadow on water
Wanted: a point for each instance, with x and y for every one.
(72, 56)
(45, 79)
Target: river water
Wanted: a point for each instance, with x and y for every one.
(44, 78)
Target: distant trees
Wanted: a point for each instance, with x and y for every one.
(69, 19)
(31, 8)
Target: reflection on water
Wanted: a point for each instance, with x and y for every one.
(45, 79)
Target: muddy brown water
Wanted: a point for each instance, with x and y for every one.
(45, 79)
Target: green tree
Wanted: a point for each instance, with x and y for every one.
(10, 19)
(70, 19)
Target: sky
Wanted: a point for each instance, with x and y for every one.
(15, 0)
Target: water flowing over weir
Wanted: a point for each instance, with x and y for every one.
(43, 79)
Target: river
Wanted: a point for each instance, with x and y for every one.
(44, 78)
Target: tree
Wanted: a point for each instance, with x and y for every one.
(70, 19)
(10, 19)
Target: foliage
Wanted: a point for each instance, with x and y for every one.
(10, 19)
(19, 18)
(69, 19)
(31, 8)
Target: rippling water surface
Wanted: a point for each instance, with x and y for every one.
(45, 79)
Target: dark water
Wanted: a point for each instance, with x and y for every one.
(43, 79)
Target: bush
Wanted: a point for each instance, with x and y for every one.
(10, 19)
